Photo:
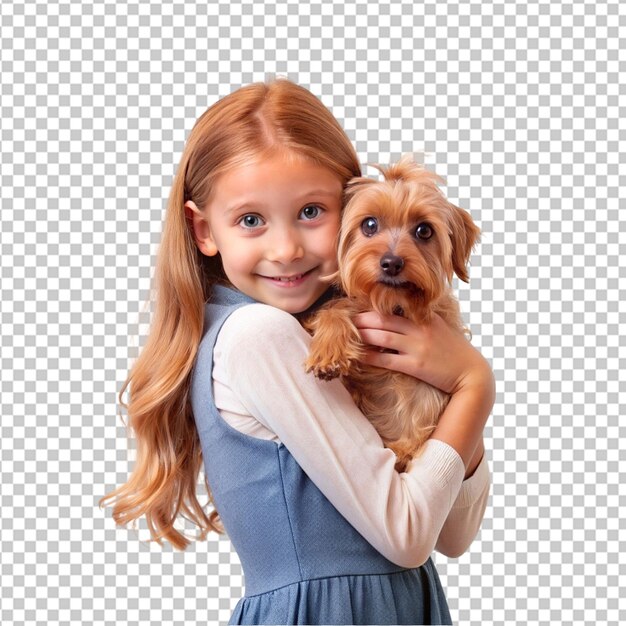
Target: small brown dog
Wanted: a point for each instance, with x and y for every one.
(399, 245)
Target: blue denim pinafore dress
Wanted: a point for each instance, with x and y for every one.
(303, 563)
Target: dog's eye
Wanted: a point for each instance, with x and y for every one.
(424, 231)
(369, 226)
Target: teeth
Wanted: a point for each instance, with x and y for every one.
(287, 279)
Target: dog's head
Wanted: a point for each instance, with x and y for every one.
(401, 241)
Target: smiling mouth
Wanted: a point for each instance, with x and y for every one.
(287, 279)
(291, 279)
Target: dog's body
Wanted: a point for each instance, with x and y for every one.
(399, 245)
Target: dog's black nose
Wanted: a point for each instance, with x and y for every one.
(392, 265)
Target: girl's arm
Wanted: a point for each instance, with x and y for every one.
(261, 351)
(478, 455)
(443, 357)
(463, 521)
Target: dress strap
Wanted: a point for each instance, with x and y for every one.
(222, 302)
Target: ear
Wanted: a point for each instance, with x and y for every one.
(200, 228)
(464, 235)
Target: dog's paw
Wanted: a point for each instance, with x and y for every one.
(327, 373)
(327, 369)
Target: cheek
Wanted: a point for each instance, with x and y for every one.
(328, 245)
(236, 258)
(333, 233)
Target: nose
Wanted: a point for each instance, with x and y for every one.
(286, 246)
(391, 264)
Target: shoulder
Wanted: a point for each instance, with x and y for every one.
(258, 327)
(259, 318)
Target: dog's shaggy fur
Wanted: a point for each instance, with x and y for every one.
(400, 243)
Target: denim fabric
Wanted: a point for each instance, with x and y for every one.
(303, 563)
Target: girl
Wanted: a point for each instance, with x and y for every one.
(326, 530)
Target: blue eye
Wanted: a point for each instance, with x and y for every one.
(369, 226)
(250, 221)
(311, 211)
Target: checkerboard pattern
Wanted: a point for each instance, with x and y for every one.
(517, 105)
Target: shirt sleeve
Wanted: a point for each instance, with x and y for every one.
(465, 517)
(262, 351)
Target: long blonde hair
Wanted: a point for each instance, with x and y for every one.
(252, 122)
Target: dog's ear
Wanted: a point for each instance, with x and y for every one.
(464, 234)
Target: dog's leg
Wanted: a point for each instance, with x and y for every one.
(336, 342)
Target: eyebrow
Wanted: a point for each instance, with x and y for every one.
(254, 205)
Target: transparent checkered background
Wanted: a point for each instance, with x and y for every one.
(516, 104)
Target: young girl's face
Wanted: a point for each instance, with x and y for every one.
(275, 224)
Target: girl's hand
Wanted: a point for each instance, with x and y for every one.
(443, 357)
(435, 352)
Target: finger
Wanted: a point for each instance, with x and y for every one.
(383, 339)
(380, 359)
(388, 360)
(371, 319)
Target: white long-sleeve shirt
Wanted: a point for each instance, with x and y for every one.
(261, 388)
